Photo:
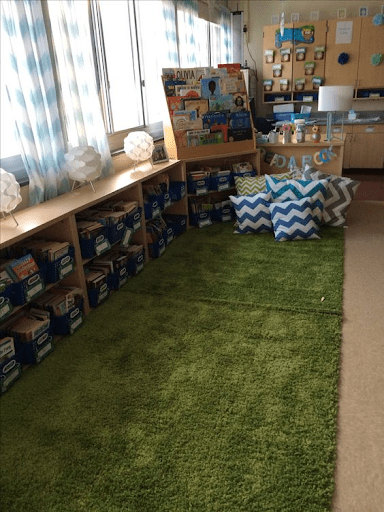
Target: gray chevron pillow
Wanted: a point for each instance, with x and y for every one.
(340, 194)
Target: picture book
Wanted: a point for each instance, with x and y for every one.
(22, 268)
(212, 118)
(190, 75)
(210, 87)
(171, 85)
(201, 106)
(239, 102)
(175, 103)
(212, 138)
(189, 91)
(224, 102)
(233, 68)
(240, 119)
(231, 85)
(223, 128)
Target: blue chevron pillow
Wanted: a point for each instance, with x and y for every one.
(252, 211)
(293, 220)
(290, 190)
(341, 191)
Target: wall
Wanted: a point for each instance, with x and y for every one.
(258, 13)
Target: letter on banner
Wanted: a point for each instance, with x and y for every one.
(292, 162)
(306, 159)
(280, 161)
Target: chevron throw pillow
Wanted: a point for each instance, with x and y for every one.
(256, 184)
(293, 220)
(341, 192)
(252, 211)
(290, 190)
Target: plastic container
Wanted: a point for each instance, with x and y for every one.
(300, 129)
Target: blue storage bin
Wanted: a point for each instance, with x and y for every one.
(157, 248)
(199, 187)
(32, 352)
(133, 220)
(220, 183)
(177, 222)
(70, 322)
(6, 305)
(225, 214)
(136, 264)
(10, 372)
(168, 235)
(282, 116)
(152, 208)
(117, 279)
(177, 190)
(165, 201)
(202, 219)
(28, 289)
(115, 232)
(97, 295)
(55, 270)
(96, 245)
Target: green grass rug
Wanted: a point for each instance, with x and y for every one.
(172, 401)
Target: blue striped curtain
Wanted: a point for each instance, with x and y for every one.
(31, 90)
(73, 49)
(169, 23)
(226, 35)
(187, 13)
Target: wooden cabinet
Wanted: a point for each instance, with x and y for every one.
(269, 45)
(56, 219)
(371, 42)
(366, 147)
(342, 74)
(318, 29)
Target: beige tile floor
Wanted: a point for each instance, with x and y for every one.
(359, 475)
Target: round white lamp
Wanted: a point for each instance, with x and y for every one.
(138, 146)
(9, 193)
(83, 165)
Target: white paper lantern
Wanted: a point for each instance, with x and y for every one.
(138, 146)
(9, 193)
(83, 165)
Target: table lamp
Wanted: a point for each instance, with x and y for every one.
(335, 98)
(83, 165)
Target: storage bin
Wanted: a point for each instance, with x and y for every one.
(177, 222)
(165, 201)
(136, 264)
(10, 372)
(97, 295)
(224, 214)
(6, 305)
(70, 322)
(198, 187)
(117, 279)
(202, 219)
(95, 246)
(134, 220)
(177, 190)
(168, 235)
(33, 352)
(152, 208)
(55, 270)
(28, 289)
(220, 183)
(115, 232)
(157, 248)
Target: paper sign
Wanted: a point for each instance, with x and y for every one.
(344, 31)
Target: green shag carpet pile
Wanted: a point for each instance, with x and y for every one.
(207, 383)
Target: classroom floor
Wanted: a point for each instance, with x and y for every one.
(359, 475)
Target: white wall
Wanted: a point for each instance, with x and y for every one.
(258, 13)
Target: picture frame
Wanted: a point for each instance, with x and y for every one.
(363, 12)
(295, 17)
(159, 154)
(341, 13)
(314, 16)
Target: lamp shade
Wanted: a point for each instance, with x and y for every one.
(9, 192)
(138, 146)
(333, 98)
(83, 163)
